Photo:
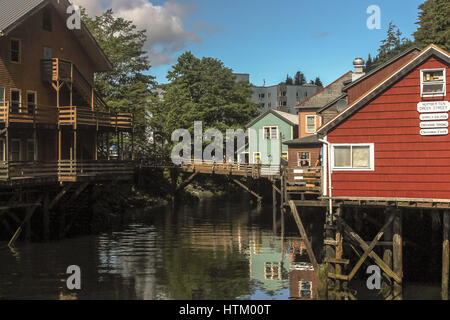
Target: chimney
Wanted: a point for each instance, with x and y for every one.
(359, 68)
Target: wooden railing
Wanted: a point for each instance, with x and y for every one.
(29, 169)
(70, 170)
(304, 179)
(27, 114)
(230, 168)
(74, 115)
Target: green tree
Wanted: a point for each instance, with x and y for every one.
(434, 24)
(128, 87)
(299, 78)
(289, 80)
(393, 45)
(318, 82)
(202, 90)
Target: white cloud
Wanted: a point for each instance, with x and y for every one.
(166, 31)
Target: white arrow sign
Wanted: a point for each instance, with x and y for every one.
(434, 124)
(434, 132)
(433, 116)
(433, 106)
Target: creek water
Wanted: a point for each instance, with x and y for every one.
(210, 250)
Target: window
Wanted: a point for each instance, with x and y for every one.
(272, 271)
(30, 150)
(284, 155)
(261, 95)
(310, 124)
(2, 150)
(304, 159)
(432, 82)
(15, 150)
(353, 157)
(2, 97)
(305, 289)
(47, 20)
(16, 100)
(31, 102)
(269, 94)
(15, 50)
(270, 133)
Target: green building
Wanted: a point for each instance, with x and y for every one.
(266, 135)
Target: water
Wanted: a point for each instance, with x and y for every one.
(212, 250)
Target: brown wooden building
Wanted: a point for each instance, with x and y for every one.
(53, 125)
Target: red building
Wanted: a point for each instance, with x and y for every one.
(393, 141)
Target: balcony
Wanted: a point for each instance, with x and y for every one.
(18, 113)
(85, 116)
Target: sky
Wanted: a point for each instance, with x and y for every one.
(267, 39)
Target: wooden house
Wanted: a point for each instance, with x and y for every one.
(266, 133)
(392, 141)
(53, 125)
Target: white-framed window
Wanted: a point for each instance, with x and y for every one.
(16, 155)
(270, 133)
(272, 271)
(359, 156)
(311, 124)
(15, 51)
(432, 82)
(305, 289)
(304, 159)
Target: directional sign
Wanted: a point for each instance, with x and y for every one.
(434, 124)
(434, 132)
(433, 116)
(433, 106)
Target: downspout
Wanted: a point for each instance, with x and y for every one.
(330, 201)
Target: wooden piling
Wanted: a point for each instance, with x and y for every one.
(387, 256)
(274, 207)
(397, 248)
(445, 254)
(46, 218)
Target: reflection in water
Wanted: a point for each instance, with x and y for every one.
(209, 251)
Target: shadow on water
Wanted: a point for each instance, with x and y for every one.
(210, 250)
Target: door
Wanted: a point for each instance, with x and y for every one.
(15, 150)
(16, 100)
(31, 102)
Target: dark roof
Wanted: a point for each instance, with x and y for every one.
(13, 13)
(299, 105)
(286, 117)
(306, 140)
(329, 104)
(383, 85)
(371, 72)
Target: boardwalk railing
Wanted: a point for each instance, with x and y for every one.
(74, 115)
(231, 168)
(307, 179)
(27, 169)
(71, 170)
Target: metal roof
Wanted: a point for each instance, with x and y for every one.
(12, 10)
(306, 140)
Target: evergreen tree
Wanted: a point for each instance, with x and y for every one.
(202, 90)
(434, 24)
(369, 62)
(289, 80)
(299, 78)
(318, 82)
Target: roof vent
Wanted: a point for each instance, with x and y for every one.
(359, 65)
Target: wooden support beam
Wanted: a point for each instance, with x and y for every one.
(305, 238)
(29, 214)
(354, 236)
(46, 217)
(397, 248)
(369, 249)
(339, 240)
(185, 183)
(59, 196)
(274, 207)
(67, 227)
(445, 254)
(243, 186)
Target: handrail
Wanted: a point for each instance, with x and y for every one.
(37, 113)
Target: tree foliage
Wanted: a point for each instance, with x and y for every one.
(127, 88)
(202, 90)
(299, 78)
(318, 82)
(434, 24)
(289, 80)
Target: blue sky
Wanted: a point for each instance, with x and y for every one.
(269, 39)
